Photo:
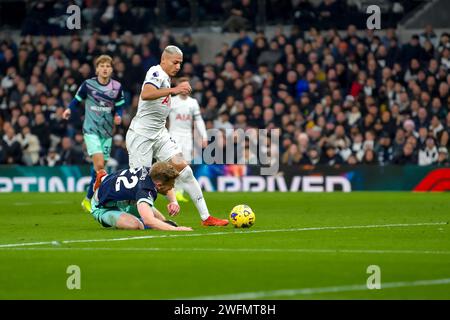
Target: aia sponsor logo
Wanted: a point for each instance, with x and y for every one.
(183, 117)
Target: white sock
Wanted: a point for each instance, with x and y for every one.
(188, 183)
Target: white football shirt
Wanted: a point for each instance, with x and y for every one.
(150, 119)
(183, 112)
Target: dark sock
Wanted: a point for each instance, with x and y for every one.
(90, 192)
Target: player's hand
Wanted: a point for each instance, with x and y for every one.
(173, 208)
(66, 114)
(183, 88)
(183, 229)
(204, 143)
(117, 120)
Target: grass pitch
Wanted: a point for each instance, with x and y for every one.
(302, 246)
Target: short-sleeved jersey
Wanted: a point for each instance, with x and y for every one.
(182, 114)
(129, 184)
(150, 119)
(100, 102)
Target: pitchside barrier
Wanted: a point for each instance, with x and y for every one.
(234, 178)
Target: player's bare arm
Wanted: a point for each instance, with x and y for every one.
(148, 216)
(173, 207)
(150, 92)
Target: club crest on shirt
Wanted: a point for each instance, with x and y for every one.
(155, 74)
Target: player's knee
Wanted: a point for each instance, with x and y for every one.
(186, 174)
(178, 162)
(138, 225)
(134, 224)
(128, 222)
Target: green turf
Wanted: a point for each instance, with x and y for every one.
(238, 261)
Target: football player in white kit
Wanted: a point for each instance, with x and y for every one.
(148, 138)
(184, 111)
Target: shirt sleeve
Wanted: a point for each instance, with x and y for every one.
(145, 193)
(120, 102)
(199, 123)
(74, 104)
(82, 92)
(154, 78)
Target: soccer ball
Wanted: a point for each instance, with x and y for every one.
(242, 216)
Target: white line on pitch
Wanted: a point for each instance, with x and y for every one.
(184, 235)
(309, 291)
(237, 250)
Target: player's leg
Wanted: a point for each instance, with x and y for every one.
(96, 152)
(166, 149)
(188, 182)
(186, 149)
(99, 167)
(140, 150)
(114, 217)
(129, 222)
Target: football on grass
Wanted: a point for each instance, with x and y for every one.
(242, 216)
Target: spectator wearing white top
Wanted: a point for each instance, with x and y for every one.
(429, 155)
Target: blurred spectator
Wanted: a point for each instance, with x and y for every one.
(429, 154)
(42, 130)
(12, 151)
(51, 159)
(124, 18)
(429, 35)
(443, 159)
(69, 155)
(407, 156)
(30, 147)
(242, 16)
(188, 47)
(385, 150)
(119, 152)
(313, 156)
(369, 157)
(328, 12)
(304, 14)
(106, 17)
(412, 50)
(330, 157)
(292, 156)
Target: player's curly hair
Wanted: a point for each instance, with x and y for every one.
(163, 172)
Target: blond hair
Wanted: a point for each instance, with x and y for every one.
(163, 172)
(104, 58)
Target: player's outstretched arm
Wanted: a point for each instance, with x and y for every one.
(158, 215)
(150, 92)
(151, 221)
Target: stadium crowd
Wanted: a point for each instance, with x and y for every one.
(337, 98)
(48, 17)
